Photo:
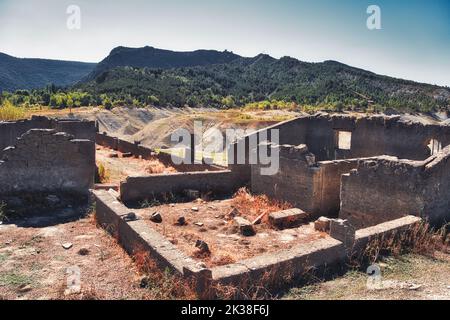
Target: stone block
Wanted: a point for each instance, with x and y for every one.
(343, 231)
(245, 226)
(322, 224)
(290, 218)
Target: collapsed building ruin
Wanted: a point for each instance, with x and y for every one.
(367, 175)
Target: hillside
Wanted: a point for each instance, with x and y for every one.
(244, 80)
(158, 58)
(16, 73)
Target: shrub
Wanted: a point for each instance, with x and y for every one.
(103, 174)
(9, 112)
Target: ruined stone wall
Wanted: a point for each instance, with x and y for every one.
(328, 200)
(295, 181)
(10, 131)
(138, 150)
(43, 160)
(437, 192)
(371, 136)
(136, 189)
(386, 188)
(306, 184)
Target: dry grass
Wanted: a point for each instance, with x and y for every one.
(9, 112)
(252, 206)
(161, 285)
(419, 239)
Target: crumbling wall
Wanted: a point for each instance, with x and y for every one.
(136, 189)
(138, 150)
(328, 201)
(371, 136)
(386, 188)
(10, 131)
(437, 192)
(43, 160)
(296, 180)
(306, 184)
(80, 129)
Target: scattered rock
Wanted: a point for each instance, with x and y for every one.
(24, 288)
(200, 224)
(67, 245)
(113, 155)
(195, 209)
(172, 205)
(322, 224)
(131, 216)
(83, 252)
(414, 287)
(201, 265)
(245, 226)
(156, 217)
(144, 281)
(127, 155)
(181, 221)
(202, 246)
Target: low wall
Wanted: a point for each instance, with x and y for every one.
(272, 270)
(80, 129)
(386, 188)
(138, 150)
(43, 160)
(136, 189)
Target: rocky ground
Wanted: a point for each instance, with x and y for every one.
(38, 257)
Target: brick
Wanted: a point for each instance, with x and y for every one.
(322, 224)
(290, 218)
(245, 226)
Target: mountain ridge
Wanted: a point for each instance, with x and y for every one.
(35, 73)
(251, 79)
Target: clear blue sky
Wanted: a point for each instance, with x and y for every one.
(414, 42)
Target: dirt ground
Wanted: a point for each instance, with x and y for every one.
(408, 277)
(34, 264)
(119, 168)
(210, 221)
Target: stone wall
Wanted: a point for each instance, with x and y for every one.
(10, 131)
(371, 136)
(386, 188)
(306, 184)
(138, 150)
(43, 160)
(136, 189)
